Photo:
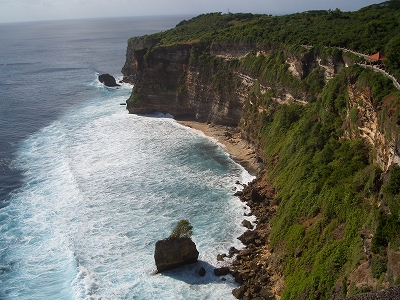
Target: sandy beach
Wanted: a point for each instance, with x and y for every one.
(229, 138)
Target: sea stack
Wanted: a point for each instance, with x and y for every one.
(108, 80)
(171, 253)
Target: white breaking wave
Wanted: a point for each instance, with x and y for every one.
(101, 187)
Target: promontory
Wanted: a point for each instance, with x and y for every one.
(316, 95)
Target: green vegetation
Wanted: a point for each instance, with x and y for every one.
(378, 266)
(369, 30)
(388, 225)
(269, 68)
(322, 176)
(323, 169)
(392, 52)
(182, 230)
(361, 30)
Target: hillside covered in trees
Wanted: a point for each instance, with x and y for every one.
(369, 30)
(325, 126)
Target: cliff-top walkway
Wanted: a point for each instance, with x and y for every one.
(376, 68)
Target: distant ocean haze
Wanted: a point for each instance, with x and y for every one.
(87, 189)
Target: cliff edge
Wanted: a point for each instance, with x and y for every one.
(325, 126)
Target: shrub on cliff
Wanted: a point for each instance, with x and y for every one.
(182, 230)
(176, 250)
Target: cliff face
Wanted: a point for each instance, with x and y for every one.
(248, 86)
(167, 81)
(172, 79)
(376, 126)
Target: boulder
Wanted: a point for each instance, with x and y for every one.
(221, 271)
(232, 252)
(220, 257)
(174, 252)
(202, 272)
(239, 292)
(248, 237)
(247, 224)
(108, 80)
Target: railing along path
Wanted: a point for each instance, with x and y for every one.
(376, 68)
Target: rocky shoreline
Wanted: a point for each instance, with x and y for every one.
(255, 267)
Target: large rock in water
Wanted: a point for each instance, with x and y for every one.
(174, 252)
(108, 80)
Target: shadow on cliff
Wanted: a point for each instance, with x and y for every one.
(190, 274)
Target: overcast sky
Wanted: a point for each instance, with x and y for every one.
(32, 10)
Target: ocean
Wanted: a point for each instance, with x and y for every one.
(86, 189)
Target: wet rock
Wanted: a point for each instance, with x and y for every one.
(247, 224)
(232, 251)
(250, 267)
(108, 80)
(238, 277)
(220, 257)
(174, 252)
(238, 193)
(248, 237)
(221, 271)
(256, 196)
(239, 292)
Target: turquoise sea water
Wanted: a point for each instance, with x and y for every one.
(86, 188)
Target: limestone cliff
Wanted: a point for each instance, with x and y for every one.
(251, 86)
(165, 80)
(174, 79)
(377, 126)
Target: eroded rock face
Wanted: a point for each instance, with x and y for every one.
(167, 80)
(371, 125)
(171, 253)
(173, 79)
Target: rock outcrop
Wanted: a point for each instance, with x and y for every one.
(221, 271)
(184, 81)
(374, 125)
(392, 293)
(166, 79)
(256, 267)
(171, 253)
(108, 80)
(176, 79)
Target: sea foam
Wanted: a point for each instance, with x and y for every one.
(101, 187)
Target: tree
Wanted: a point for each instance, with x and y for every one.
(182, 230)
(392, 52)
